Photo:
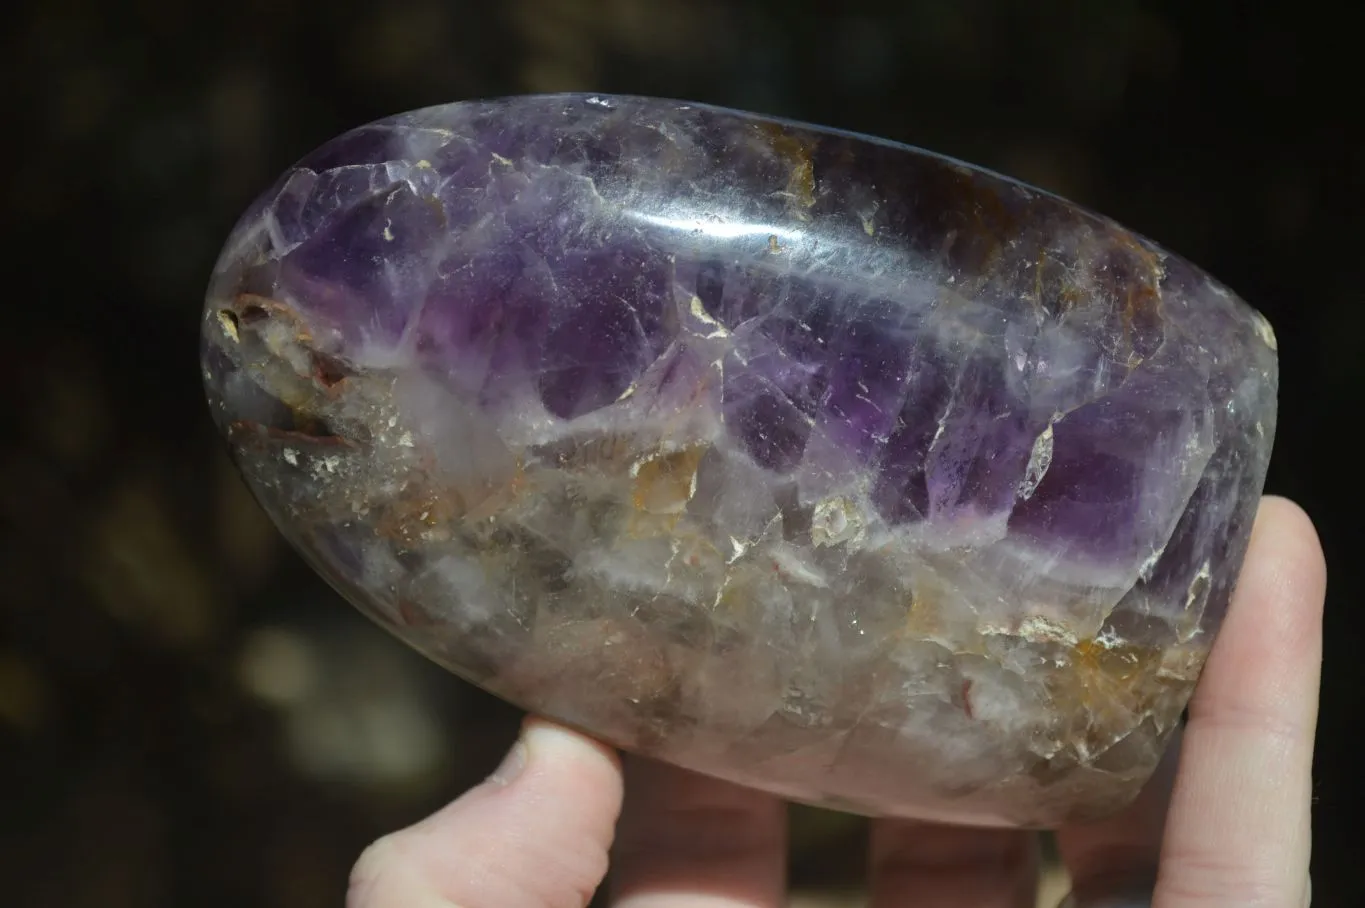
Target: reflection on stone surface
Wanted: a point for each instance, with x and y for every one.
(810, 461)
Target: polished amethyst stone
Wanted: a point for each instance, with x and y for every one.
(803, 459)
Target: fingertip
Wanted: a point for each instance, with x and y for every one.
(1239, 828)
(556, 750)
(535, 833)
(1285, 539)
(1271, 638)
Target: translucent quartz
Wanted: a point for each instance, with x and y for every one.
(803, 459)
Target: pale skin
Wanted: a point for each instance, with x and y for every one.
(1225, 823)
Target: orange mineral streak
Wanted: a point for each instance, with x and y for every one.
(1109, 689)
(429, 509)
(663, 485)
(796, 153)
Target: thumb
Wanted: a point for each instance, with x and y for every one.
(535, 834)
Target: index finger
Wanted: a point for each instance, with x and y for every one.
(1238, 832)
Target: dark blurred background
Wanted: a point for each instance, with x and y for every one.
(187, 715)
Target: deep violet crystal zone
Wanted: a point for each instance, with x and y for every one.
(803, 459)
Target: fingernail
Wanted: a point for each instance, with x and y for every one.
(546, 743)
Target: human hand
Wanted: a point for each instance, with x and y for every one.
(1224, 823)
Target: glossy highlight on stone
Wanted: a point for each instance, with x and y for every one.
(803, 459)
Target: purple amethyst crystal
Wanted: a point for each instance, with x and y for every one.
(799, 458)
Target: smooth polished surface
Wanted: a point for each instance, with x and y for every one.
(803, 459)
